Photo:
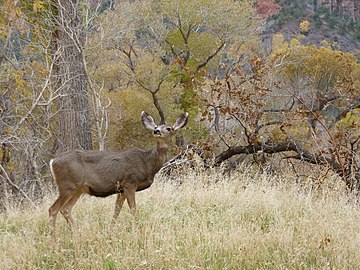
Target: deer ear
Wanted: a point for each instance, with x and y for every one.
(148, 121)
(180, 122)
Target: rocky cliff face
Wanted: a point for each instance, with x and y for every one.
(349, 7)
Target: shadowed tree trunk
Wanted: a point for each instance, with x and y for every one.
(70, 81)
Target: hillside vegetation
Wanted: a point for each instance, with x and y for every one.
(245, 221)
(334, 21)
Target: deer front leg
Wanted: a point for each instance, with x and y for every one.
(118, 205)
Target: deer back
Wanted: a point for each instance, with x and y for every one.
(104, 173)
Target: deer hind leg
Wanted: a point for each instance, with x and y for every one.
(129, 194)
(118, 205)
(67, 208)
(54, 210)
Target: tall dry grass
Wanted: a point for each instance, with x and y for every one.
(210, 221)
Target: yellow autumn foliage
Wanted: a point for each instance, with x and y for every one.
(304, 26)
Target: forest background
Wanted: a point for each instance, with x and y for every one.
(276, 88)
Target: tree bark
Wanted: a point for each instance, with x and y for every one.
(70, 80)
(350, 174)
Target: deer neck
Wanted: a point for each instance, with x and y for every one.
(158, 155)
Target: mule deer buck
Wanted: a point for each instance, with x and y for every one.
(103, 173)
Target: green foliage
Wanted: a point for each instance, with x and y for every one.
(357, 33)
(349, 123)
(336, 21)
(317, 20)
(325, 83)
(294, 10)
(332, 21)
(291, 10)
(326, 67)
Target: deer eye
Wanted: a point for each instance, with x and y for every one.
(168, 129)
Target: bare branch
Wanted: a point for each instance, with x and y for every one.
(210, 57)
(7, 179)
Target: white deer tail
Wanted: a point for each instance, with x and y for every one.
(52, 169)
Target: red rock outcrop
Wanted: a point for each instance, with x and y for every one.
(266, 8)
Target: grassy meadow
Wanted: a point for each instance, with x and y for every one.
(210, 221)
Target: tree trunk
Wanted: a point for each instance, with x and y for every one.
(70, 80)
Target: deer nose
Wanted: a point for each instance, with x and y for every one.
(157, 132)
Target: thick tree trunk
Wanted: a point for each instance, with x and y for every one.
(71, 82)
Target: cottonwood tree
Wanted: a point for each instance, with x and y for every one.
(43, 78)
(162, 48)
(68, 41)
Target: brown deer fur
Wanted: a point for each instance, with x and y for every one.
(104, 173)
